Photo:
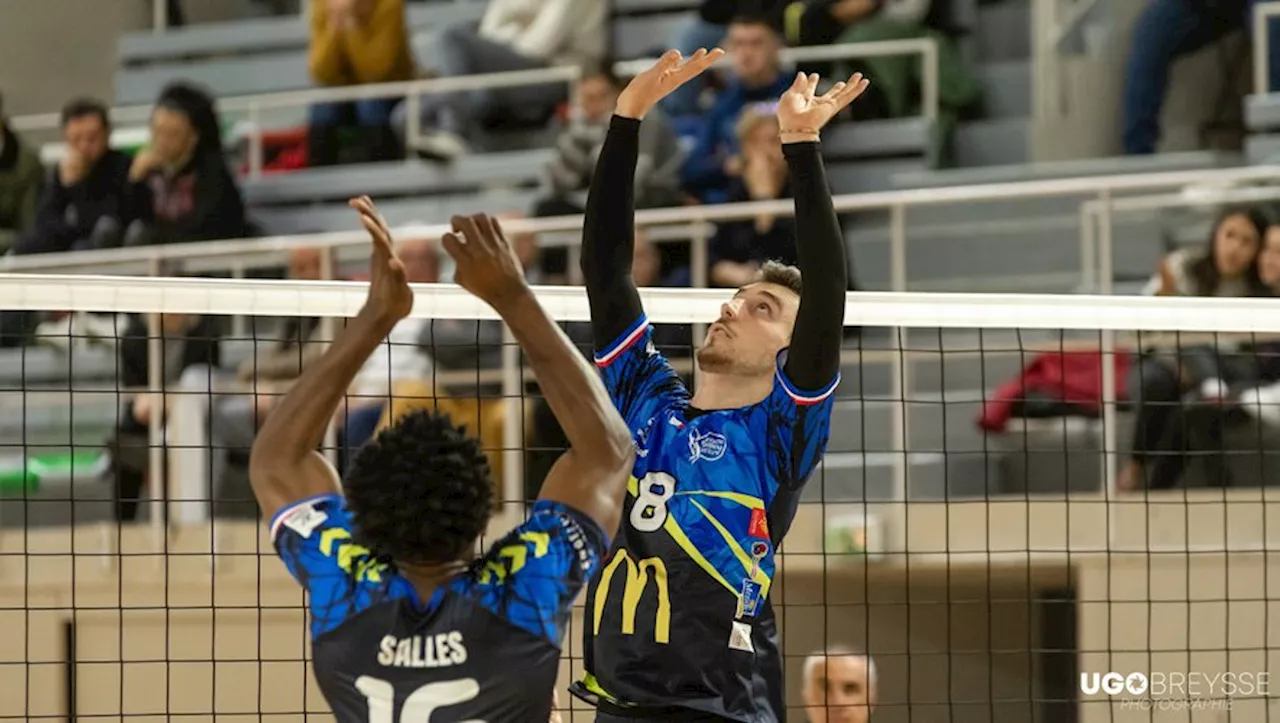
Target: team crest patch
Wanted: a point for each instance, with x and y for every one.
(305, 519)
(710, 446)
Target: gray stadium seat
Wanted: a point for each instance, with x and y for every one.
(512, 168)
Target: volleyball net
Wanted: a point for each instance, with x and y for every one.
(1026, 501)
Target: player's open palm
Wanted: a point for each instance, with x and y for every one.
(389, 294)
(486, 265)
(670, 72)
(802, 110)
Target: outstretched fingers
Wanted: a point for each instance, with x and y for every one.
(454, 246)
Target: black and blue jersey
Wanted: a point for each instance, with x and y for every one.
(484, 649)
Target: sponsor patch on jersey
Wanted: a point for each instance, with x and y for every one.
(304, 519)
(759, 527)
(749, 600)
(710, 446)
(740, 637)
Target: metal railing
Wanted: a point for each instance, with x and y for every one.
(239, 255)
(926, 48)
(253, 106)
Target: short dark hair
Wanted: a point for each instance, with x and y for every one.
(420, 492)
(753, 17)
(604, 71)
(776, 272)
(81, 107)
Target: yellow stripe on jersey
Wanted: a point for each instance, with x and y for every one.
(754, 503)
(737, 550)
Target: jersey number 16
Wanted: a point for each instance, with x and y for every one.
(420, 704)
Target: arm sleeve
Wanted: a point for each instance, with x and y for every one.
(313, 538)
(608, 237)
(50, 232)
(531, 577)
(813, 361)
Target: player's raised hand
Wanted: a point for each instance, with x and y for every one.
(390, 297)
(670, 72)
(486, 264)
(802, 112)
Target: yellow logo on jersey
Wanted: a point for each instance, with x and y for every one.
(353, 559)
(637, 580)
(518, 554)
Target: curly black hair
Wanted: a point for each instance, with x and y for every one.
(420, 492)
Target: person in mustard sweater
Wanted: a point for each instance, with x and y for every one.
(356, 42)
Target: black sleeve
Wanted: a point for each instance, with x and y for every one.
(814, 357)
(50, 232)
(608, 235)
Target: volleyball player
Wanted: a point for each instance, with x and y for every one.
(405, 627)
(718, 475)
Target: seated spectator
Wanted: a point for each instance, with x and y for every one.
(513, 35)
(757, 77)
(898, 78)
(1163, 380)
(356, 42)
(189, 341)
(88, 201)
(839, 685)
(401, 358)
(186, 191)
(21, 176)
(1164, 32)
(1261, 397)
(569, 173)
(739, 248)
(706, 29)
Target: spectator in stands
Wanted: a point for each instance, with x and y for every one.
(355, 42)
(188, 341)
(758, 173)
(88, 200)
(21, 175)
(1165, 379)
(186, 190)
(706, 29)
(757, 77)
(898, 77)
(839, 686)
(513, 35)
(1164, 32)
(402, 357)
(1261, 397)
(577, 147)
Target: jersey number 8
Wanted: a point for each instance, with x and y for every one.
(650, 508)
(420, 704)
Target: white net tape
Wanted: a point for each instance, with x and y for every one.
(680, 306)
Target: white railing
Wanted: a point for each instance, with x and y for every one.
(253, 106)
(1262, 14)
(238, 255)
(926, 48)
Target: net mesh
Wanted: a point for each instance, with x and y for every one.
(1024, 502)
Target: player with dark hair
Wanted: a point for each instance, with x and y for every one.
(718, 475)
(403, 622)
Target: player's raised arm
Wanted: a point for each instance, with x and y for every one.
(284, 466)
(608, 237)
(592, 476)
(813, 361)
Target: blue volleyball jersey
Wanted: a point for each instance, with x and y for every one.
(484, 648)
(679, 614)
